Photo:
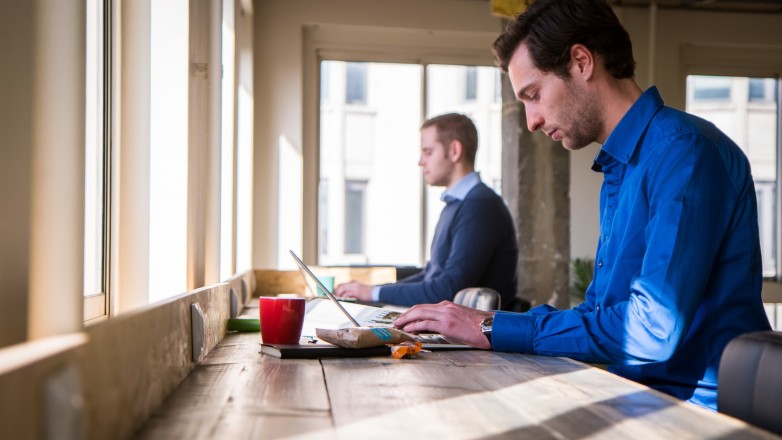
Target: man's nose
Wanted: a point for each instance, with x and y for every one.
(534, 120)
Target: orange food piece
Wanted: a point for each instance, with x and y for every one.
(406, 349)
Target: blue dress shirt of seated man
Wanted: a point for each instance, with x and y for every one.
(678, 271)
(474, 245)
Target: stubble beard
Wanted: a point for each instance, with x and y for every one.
(583, 119)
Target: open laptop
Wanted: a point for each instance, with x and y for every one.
(371, 316)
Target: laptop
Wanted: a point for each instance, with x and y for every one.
(368, 316)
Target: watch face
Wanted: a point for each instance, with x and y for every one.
(486, 324)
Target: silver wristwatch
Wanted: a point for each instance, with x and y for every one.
(486, 326)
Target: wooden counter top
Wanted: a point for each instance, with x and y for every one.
(238, 393)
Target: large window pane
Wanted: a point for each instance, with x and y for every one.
(227, 144)
(168, 149)
(371, 193)
(746, 109)
(369, 132)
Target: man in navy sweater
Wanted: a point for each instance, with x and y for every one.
(474, 243)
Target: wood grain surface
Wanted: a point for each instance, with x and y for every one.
(455, 395)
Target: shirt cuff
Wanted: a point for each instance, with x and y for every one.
(376, 294)
(513, 332)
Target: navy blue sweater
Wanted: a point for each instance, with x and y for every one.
(474, 245)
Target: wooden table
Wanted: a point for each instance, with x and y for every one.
(237, 393)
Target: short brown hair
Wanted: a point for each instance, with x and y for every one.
(549, 28)
(456, 126)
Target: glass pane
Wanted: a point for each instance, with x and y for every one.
(482, 107)
(749, 115)
(94, 152)
(228, 94)
(371, 137)
(168, 149)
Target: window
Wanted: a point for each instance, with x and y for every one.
(227, 144)
(168, 153)
(97, 160)
(355, 212)
(470, 83)
(373, 206)
(747, 110)
(356, 83)
(705, 88)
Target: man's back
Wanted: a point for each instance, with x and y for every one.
(474, 246)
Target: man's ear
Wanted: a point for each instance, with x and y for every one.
(455, 151)
(582, 62)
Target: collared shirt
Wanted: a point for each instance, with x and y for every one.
(457, 192)
(462, 187)
(677, 270)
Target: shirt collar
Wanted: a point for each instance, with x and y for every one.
(624, 139)
(462, 187)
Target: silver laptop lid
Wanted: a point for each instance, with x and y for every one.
(306, 270)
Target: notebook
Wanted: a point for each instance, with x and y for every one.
(320, 312)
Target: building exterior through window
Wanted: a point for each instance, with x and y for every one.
(373, 204)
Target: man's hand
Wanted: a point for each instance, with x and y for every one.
(354, 289)
(453, 321)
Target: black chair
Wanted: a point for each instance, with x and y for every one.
(750, 380)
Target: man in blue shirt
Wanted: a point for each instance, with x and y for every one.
(678, 271)
(474, 243)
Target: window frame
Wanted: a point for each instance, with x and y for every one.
(96, 307)
(378, 45)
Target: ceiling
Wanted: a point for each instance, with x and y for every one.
(768, 6)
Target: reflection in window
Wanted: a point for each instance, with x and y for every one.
(746, 109)
(325, 80)
(470, 83)
(709, 87)
(762, 89)
(356, 89)
(355, 213)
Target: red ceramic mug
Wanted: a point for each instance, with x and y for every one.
(281, 319)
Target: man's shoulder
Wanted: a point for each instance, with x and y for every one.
(482, 191)
(671, 122)
(483, 198)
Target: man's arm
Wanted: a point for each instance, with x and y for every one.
(689, 201)
(682, 239)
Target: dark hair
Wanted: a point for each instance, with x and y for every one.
(549, 28)
(455, 126)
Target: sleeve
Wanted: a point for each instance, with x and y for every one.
(689, 199)
(416, 277)
(476, 232)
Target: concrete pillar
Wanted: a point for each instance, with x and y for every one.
(536, 184)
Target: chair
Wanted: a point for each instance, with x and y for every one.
(750, 380)
(481, 298)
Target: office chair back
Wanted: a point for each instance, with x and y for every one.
(481, 298)
(750, 380)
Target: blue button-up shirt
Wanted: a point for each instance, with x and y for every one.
(678, 272)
